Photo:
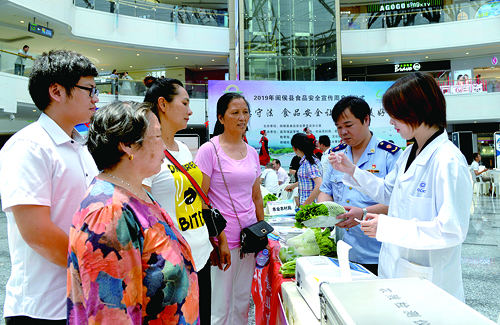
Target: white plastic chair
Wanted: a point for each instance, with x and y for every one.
(495, 183)
(478, 185)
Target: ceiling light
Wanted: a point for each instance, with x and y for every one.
(34, 110)
(21, 21)
(176, 58)
(98, 49)
(467, 53)
(201, 68)
(350, 61)
(213, 60)
(386, 60)
(131, 66)
(475, 121)
(138, 54)
(426, 57)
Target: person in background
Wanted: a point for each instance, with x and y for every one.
(126, 84)
(324, 146)
(429, 192)
(269, 179)
(280, 172)
(309, 134)
(476, 159)
(264, 157)
(294, 166)
(114, 81)
(317, 151)
(172, 188)
(351, 116)
(45, 170)
(20, 62)
(309, 173)
(240, 176)
(127, 262)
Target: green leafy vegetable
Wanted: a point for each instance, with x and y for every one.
(310, 211)
(288, 254)
(288, 269)
(326, 245)
(269, 197)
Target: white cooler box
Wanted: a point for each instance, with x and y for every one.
(393, 301)
(311, 271)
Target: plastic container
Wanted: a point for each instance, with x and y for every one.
(262, 258)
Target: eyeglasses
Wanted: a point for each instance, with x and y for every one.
(93, 91)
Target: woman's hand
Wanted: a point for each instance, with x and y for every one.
(220, 255)
(291, 187)
(340, 162)
(369, 225)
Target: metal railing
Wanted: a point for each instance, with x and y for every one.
(159, 11)
(9, 59)
(415, 16)
(131, 87)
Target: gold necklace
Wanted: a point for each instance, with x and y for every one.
(241, 153)
(130, 186)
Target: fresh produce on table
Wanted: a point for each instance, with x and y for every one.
(269, 197)
(288, 254)
(288, 269)
(329, 210)
(326, 245)
(305, 244)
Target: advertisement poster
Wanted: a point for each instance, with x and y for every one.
(462, 77)
(284, 108)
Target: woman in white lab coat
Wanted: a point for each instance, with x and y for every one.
(429, 192)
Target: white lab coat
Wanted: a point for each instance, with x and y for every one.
(428, 218)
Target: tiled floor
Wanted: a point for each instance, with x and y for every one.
(480, 259)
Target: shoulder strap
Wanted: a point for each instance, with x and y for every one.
(227, 189)
(191, 179)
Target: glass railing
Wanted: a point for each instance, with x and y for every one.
(11, 62)
(478, 85)
(135, 87)
(159, 11)
(416, 16)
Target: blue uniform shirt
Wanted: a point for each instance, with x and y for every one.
(379, 158)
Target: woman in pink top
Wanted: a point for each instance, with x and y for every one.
(231, 286)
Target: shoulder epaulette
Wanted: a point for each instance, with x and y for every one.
(341, 146)
(388, 146)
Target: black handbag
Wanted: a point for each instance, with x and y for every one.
(213, 218)
(254, 237)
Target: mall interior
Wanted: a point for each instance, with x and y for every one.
(455, 41)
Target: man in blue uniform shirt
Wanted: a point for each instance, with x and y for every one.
(351, 116)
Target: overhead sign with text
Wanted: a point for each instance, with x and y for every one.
(284, 108)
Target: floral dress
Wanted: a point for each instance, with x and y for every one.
(127, 263)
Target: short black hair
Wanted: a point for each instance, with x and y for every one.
(416, 99)
(358, 107)
(26, 46)
(474, 155)
(115, 123)
(277, 161)
(58, 66)
(324, 140)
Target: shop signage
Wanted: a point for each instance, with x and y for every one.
(408, 67)
(494, 60)
(403, 5)
(40, 30)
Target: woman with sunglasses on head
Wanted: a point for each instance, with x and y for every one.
(234, 188)
(429, 192)
(173, 189)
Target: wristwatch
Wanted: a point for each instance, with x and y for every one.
(364, 213)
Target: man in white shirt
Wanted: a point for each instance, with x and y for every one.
(269, 179)
(45, 170)
(21, 60)
(324, 145)
(280, 172)
(476, 159)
